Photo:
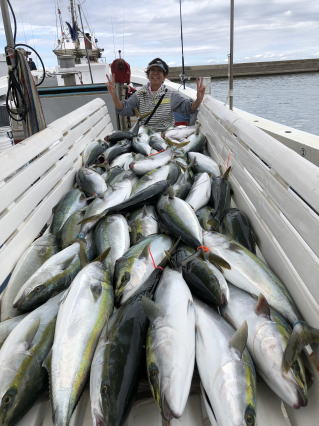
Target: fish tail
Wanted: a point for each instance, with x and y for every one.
(301, 336)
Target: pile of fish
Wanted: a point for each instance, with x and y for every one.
(146, 262)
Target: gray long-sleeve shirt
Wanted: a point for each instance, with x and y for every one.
(144, 101)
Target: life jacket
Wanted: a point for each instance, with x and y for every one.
(121, 71)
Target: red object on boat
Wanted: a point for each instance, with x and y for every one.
(121, 71)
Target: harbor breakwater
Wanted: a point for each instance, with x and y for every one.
(247, 69)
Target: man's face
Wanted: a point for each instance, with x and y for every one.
(156, 75)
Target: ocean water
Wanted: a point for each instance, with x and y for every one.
(290, 99)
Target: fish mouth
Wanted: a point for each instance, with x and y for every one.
(302, 401)
(223, 299)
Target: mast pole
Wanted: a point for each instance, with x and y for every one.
(231, 57)
(73, 15)
(86, 49)
(7, 23)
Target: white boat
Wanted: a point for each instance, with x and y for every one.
(275, 186)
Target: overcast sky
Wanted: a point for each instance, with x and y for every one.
(264, 29)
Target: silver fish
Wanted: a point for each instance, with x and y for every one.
(81, 318)
(92, 151)
(151, 177)
(137, 264)
(91, 182)
(180, 219)
(267, 339)
(22, 355)
(249, 273)
(123, 160)
(225, 368)
(36, 254)
(200, 191)
(52, 277)
(143, 222)
(113, 232)
(202, 163)
(72, 201)
(7, 326)
(120, 192)
(171, 344)
(180, 132)
(152, 162)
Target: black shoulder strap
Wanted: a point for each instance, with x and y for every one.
(156, 106)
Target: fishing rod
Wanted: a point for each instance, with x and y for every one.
(231, 57)
(182, 76)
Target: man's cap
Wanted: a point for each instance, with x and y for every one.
(159, 64)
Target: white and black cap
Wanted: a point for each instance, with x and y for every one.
(159, 64)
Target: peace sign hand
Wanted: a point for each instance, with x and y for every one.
(110, 84)
(200, 89)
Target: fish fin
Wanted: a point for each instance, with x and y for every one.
(226, 173)
(301, 336)
(218, 261)
(64, 295)
(190, 306)
(82, 253)
(47, 362)
(169, 253)
(93, 218)
(181, 165)
(146, 252)
(171, 192)
(151, 309)
(239, 339)
(96, 290)
(170, 142)
(30, 333)
(187, 259)
(262, 307)
(103, 255)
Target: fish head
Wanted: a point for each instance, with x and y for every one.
(236, 387)
(296, 385)
(250, 416)
(16, 401)
(8, 406)
(30, 297)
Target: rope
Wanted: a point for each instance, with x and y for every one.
(14, 20)
(155, 153)
(204, 248)
(22, 89)
(153, 261)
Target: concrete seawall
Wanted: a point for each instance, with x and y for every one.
(248, 69)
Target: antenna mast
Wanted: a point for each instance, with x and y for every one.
(73, 15)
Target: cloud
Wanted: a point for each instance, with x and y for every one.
(267, 29)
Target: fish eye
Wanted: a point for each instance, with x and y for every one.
(104, 389)
(6, 400)
(250, 419)
(250, 416)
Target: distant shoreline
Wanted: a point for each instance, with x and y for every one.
(247, 69)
